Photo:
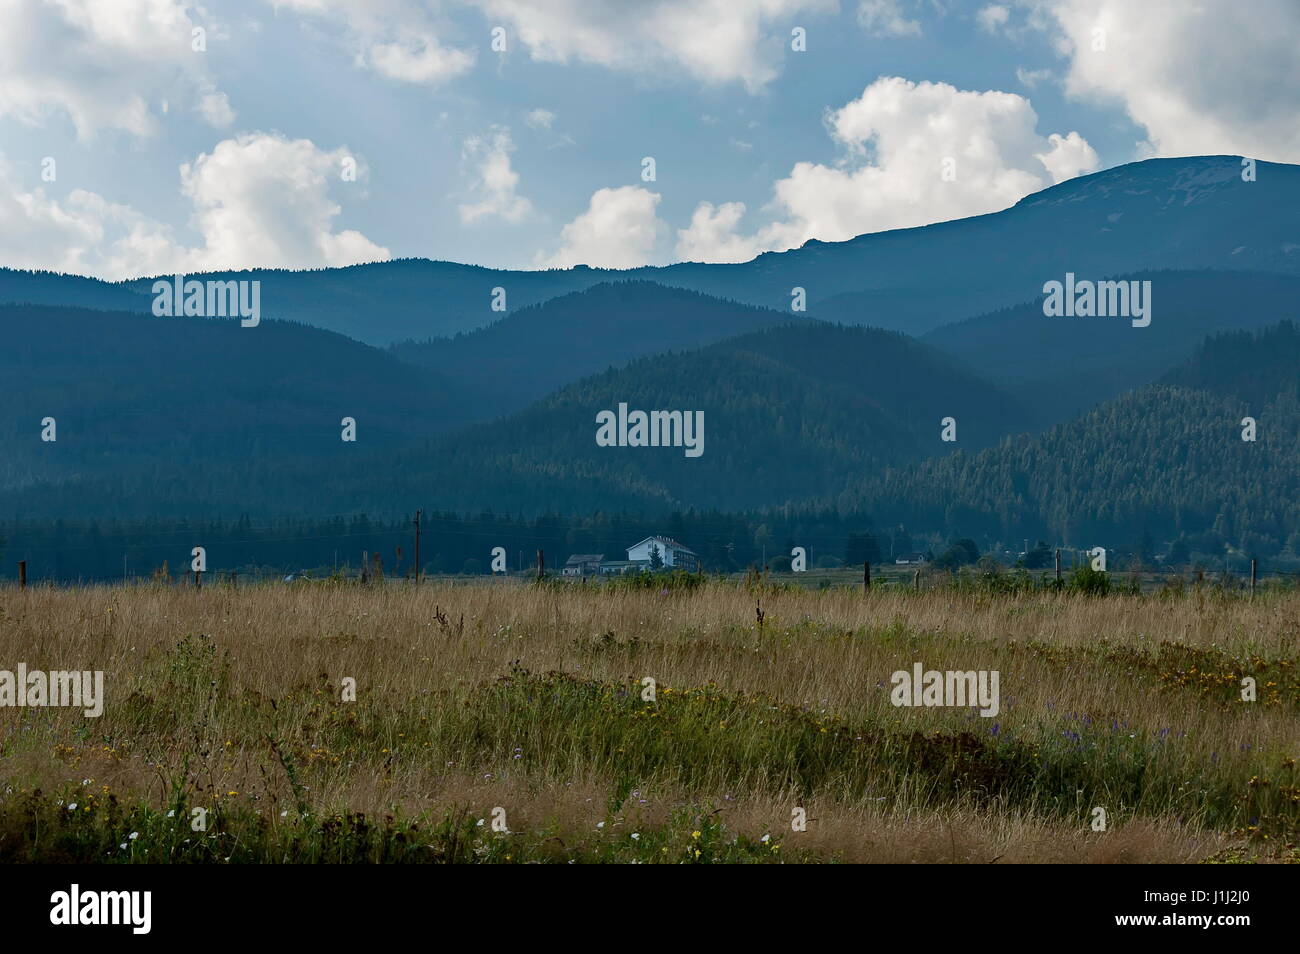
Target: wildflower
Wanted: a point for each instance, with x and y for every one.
(636, 836)
(695, 834)
(72, 807)
(134, 835)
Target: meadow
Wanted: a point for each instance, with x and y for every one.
(504, 722)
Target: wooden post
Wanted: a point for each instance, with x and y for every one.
(198, 583)
(1058, 564)
(916, 580)
(1252, 576)
(22, 574)
(365, 566)
(417, 545)
(866, 576)
(541, 564)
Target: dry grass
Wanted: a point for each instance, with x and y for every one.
(1125, 702)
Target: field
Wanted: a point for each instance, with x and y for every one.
(499, 722)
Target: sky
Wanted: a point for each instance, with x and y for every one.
(144, 137)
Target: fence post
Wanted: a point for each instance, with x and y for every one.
(541, 564)
(1058, 564)
(22, 574)
(866, 577)
(417, 545)
(1252, 576)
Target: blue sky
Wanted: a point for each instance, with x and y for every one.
(168, 157)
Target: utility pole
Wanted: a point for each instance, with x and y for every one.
(417, 545)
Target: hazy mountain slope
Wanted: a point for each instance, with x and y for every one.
(1063, 365)
(376, 303)
(1164, 459)
(1252, 366)
(791, 413)
(1187, 213)
(537, 349)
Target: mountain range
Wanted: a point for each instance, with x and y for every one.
(1189, 214)
(1059, 426)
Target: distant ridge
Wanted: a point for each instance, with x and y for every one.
(1189, 213)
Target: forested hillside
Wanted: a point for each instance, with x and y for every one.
(535, 350)
(791, 414)
(1162, 461)
(1064, 365)
(151, 407)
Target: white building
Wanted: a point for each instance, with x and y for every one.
(673, 554)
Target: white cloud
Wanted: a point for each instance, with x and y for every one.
(897, 137)
(259, 200)
(83, 234)
(1031, 78)
(712, 235)
(495, 181)
(993, 18)
(540, 119)
(1067, 156)
(619, 230)
(716, 41)
(397, 39)
(215, 108)
(1212, 77)
(886, 18)
(104, 63)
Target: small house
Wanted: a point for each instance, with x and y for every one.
(583, 564)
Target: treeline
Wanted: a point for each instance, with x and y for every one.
(68, 551)
(97, 550)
